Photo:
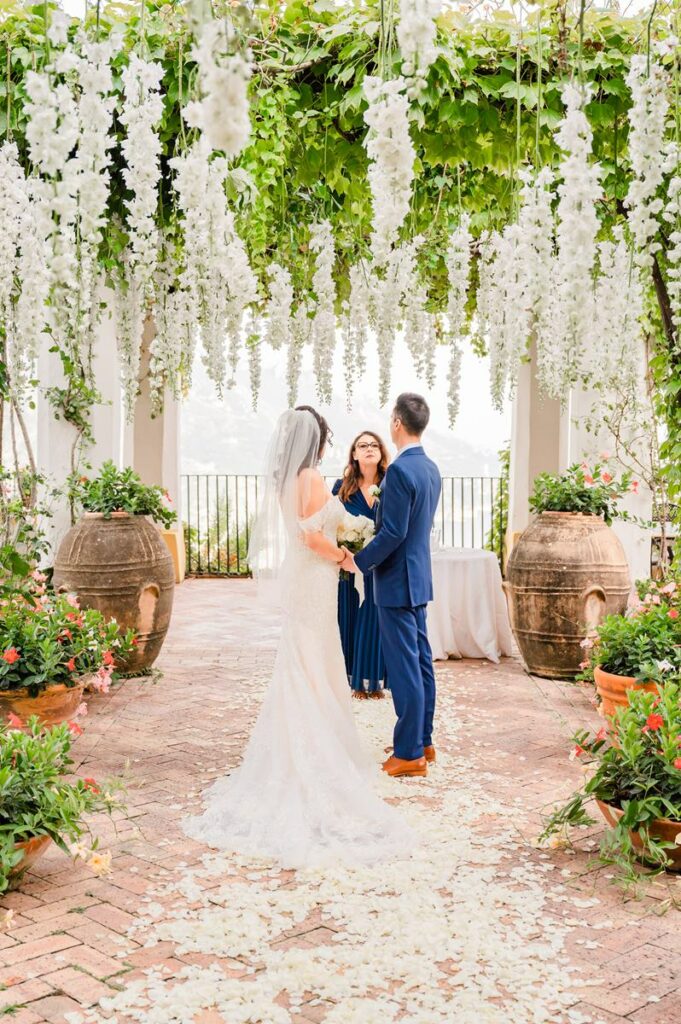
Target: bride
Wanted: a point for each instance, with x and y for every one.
(304, 793)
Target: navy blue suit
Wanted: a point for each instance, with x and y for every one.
(399, 556)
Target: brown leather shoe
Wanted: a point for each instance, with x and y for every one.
(429, 754)
(396, 767)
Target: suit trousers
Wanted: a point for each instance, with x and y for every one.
(409, 672)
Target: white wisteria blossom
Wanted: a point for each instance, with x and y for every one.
(569, 314)
(174, 337)
(254, 348)
(216, 271)
(386, 308)
(616, 340)
(300, 335)
(671, 215)
(391, 154)
(324, 321)
(416, 32)
(25, 223)
(141, 114)
(648, 82)
(279, 305)
(458, 275)
(223, 112)
(355, 327)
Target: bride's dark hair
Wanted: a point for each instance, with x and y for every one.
(325, 435)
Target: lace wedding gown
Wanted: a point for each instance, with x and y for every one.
(304, 793)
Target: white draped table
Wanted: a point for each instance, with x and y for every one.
(468, 617)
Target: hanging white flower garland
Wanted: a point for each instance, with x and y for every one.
(223, 112)
(416, 32)
(324, 322)
(391, 168)
(458, 262)
(278, 322)
(647, 119)
(569, 315)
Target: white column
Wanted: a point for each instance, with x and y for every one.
(537, 441)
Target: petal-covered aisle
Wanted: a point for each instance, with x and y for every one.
(479, 926)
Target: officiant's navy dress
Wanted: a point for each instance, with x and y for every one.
(359, 623)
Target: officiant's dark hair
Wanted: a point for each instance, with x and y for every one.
(413, 413)
(325, 436)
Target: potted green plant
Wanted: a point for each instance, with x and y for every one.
(50, 648)
(635, 780)
(115, 559)
(568, 569)
(38, 805)
(632, 651)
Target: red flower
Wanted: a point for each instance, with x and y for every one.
(14, 721)
(91, 784)
(11, 655)
(588, 479)
(578, 751)
(108, 658)
(75, 729)
(634, 486)
(606, 478)
(65, 634)
(71, 664)
(134, 641)
(673, 613)
(677, 764)
(602, 734)
(654, 722)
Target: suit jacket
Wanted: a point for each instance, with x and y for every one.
(399, 554)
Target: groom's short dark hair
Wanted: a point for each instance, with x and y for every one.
(413, 412)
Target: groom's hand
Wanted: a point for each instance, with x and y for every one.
(348, 562)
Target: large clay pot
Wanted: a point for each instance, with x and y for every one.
(660, 828)
(32, 849)
(54, 705)
(613, 690)
(121, 567)
(565, 574)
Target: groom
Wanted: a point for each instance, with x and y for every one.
(399, 555)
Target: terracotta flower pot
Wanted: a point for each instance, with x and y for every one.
(54, 705)
(565, 574)
(121, 567)
(613, 689)
(661, 828)
(32, 849)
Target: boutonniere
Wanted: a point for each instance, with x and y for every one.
(375, 492)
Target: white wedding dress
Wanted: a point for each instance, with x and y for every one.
(304, 794)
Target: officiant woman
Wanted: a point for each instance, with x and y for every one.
(367, 463)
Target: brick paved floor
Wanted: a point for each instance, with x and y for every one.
(76, 939)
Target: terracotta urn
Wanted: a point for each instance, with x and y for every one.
(565, 574)
(32, 849)
(121, 567)
(613, 690)
(660, 828)
(53, 705)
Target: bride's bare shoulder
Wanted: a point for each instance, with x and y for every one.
(312, 492)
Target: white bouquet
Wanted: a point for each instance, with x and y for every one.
(354, 533)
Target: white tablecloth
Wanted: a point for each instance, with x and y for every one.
(468, 617)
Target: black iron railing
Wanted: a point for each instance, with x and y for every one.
(218, 511)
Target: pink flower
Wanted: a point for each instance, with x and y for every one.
(655, 599)
(668, 588)
(677, 764)
(673, 613)
(602, 734)
(587, 643)
(72, 599)
(14, 721)
(71, 664)
(634, 486)
(605, 456)
(654, 722)
(607, 478)
(75, 729)
(11, 655)
(38, 576)
(81, 710)
(588, 479)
